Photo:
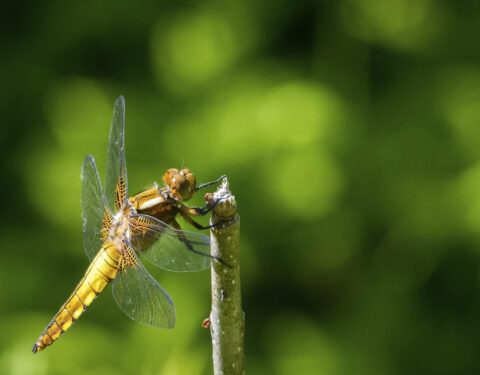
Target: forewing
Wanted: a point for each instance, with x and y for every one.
(169, 248)
(139, 295)
(95, 212)
(116, 189)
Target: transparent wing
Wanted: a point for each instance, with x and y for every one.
(116, 189)
(169, 248)
(139, 295)
(95, 213)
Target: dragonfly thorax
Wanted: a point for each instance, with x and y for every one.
(120, 229)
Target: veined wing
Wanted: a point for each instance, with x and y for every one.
(95, 212)
(169, 248)
(139, 295)
(116, 189)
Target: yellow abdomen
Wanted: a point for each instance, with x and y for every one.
(101, 271)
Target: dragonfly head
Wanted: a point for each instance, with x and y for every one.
(181, 183)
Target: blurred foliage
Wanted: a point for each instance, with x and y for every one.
(350, 134)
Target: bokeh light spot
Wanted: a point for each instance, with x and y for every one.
(468, 197)
(459, 98)
(401, 23)
(190, 48)
(307, 184)
(298, 346)
(18, 361)
(75, 109)
(296, 113)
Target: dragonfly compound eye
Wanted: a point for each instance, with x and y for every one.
(190, 177)
(182, 187)
(181, 183)
(168, 176)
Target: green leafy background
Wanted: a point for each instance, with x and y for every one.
(350, 134)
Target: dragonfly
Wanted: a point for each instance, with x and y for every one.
(117, 229)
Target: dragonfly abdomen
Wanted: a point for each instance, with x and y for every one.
(99, 274)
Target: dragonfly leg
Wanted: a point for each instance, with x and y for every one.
(193, 222)
(189, 246)
(210, 183)
(200, 211)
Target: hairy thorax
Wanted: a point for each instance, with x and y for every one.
(157, 203)
(119, 230)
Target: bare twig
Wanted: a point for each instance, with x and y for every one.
(227, 321)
